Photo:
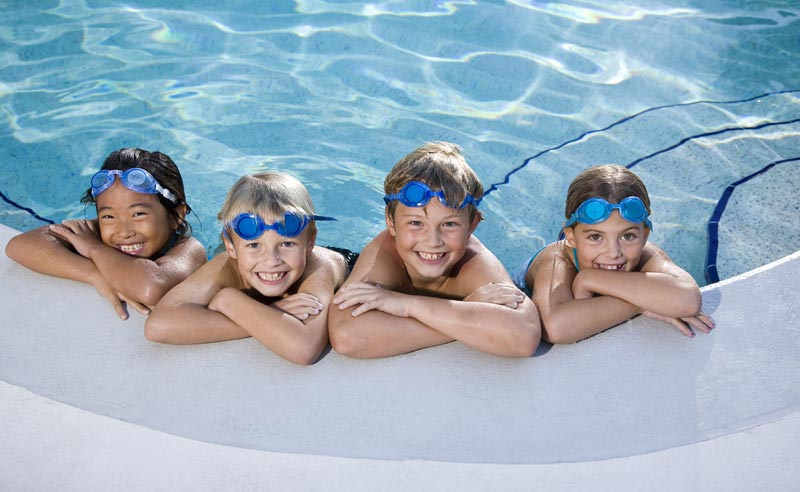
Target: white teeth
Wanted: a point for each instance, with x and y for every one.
(271, 277)
(131, 248)
(610, 267)
(430, 256)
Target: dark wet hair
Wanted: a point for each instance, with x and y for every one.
(163, 169)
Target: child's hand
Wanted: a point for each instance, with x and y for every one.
(118, 301)
(702, 322)
(81, 234)
(369, 297)
(300, 305)
(502, 294)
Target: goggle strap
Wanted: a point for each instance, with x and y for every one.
(322, 217)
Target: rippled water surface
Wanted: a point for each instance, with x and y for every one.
(693, 96)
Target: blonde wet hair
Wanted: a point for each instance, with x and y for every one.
(441, 166)
(269, 195)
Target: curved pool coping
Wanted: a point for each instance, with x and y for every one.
(88, 404)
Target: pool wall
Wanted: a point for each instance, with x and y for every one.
(89, 404)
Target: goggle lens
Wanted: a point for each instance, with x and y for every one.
(595, 211)
(248, 227)
(633, 209)
(414, 193)
(100, 181)
(138, 178)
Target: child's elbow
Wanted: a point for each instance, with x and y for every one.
(304, 356)
(13, 248)
(156, 329)
(692, 305)
(558, 332)
(344, 341)
(153, 293)
(527, 342)
(345, 338)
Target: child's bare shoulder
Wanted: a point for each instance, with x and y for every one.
(188, 247)
(479, 266)
(327, 258)
(379, 262)
(478, 256)
(221, 271)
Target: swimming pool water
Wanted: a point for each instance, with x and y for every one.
(693, 96)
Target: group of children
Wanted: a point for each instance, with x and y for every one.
(423, 281)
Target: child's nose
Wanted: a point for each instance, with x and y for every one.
(434, 237)
(126, 228)
(274, 257)
(614, 249)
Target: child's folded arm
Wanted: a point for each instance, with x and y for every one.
(372, 332)
(660, 287)
(294, 327)
(43, 252)
(576, 319)
(566, 319)
(489, 325)
(493, 328)
(148, 280)
(182, 315)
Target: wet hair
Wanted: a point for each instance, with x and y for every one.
(163, 169)
(609, 181)
(441, 166)
(269, 195)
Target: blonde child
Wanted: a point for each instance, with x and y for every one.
(604, 270)
(426, 280)
(272, 282)
(139, 246)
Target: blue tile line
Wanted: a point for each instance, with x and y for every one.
(26, 209)
(710, 270)
(582, 136)
(711, 134)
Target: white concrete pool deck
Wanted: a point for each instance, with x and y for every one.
(87, 404)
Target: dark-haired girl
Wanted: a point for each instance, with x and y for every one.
(137, 248)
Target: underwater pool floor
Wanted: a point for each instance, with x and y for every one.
(90, 404)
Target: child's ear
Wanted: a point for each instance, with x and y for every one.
(390, 223)
(569, 236)
(310, 242)
(475, 221)
(180, 211)
(229, 246)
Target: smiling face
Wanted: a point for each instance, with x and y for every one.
(135, 223)
(615, 244)
(271, 263)
(430, 240)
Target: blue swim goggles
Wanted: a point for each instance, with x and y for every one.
(135, 179)
(596, 210)
(418, 194)
(250, 226)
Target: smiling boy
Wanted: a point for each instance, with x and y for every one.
(426, 280)
(272, 282)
